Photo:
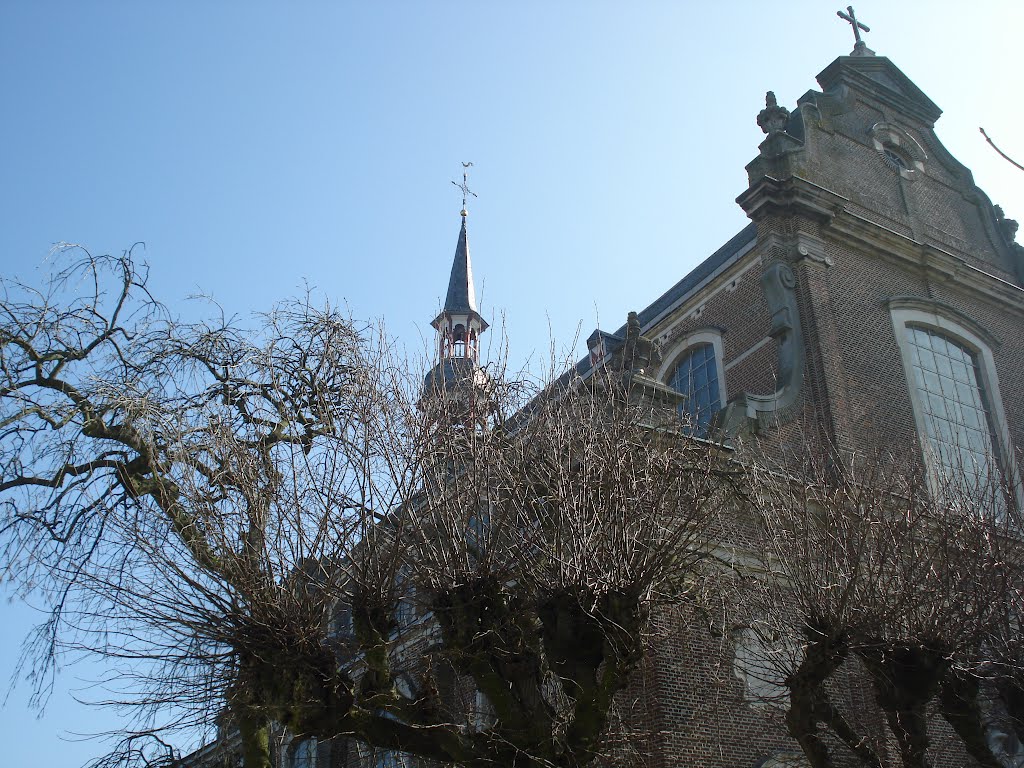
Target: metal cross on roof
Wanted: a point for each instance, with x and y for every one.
(464, 186)
(851, 17)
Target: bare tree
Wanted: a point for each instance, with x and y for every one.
(238, 521)
(882, 577)
(164, 482)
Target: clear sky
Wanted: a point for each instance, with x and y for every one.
(253, 146)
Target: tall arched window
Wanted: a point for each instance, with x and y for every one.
(405, 599)
(954, 392)
(341, 626)
(696, 377)
(958, 439)
(388, 758)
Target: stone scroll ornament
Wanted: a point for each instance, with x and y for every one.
(779, 286)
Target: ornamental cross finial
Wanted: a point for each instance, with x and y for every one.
(851, 17)
(464, 186)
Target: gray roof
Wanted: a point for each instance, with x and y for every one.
(699, 274)
(450, 371)
(677, 292)
(461, 295)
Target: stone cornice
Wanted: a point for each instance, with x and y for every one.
(881, 80)
(939, 265)
(795, 196)
(792, 196)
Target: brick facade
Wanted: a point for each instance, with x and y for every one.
(861, 231)
(858, 196)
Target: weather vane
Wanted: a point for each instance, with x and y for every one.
(464, 186)
(851, 17)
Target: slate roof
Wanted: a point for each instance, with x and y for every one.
(461, 295)
(691, 282)
(450, 371)
(699, 274)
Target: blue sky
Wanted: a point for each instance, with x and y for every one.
(254, 147)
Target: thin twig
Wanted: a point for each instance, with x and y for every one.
(1002, 154)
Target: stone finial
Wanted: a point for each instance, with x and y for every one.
(773, 118)
(639, 351)
(632, 326)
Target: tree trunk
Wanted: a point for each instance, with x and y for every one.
(905, 679)
(255, 737)
(958, 700)
(823, 657)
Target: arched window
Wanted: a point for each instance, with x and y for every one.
(341, 626)
(388, 758)
(954, 393)
(477, 533)
(405, 599)
(696, 377)
(958, 439)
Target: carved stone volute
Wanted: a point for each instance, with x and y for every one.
(779, 284)
(743, 413)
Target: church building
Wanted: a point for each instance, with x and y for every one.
(875, 299)
(874, 302)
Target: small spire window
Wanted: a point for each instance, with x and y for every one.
(459, 340)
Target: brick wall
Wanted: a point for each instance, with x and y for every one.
(930, 237)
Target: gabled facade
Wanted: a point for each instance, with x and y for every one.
(868, 239)
(874, 301)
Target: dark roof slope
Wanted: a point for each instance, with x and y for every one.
(687, 285)
(461, 296)
(699, 274)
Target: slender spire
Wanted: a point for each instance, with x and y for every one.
(459, 325)
(461, 294)
(461, 297)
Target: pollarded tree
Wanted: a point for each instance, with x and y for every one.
(198, 503)
(877, 574)
(542, 543)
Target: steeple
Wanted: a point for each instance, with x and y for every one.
(459, 324)
(461, 295)
(456, 382)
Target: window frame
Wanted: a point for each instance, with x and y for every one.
(407, 614)
(684, 347)
(945, 321)
(340, 622)
(376, 757)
